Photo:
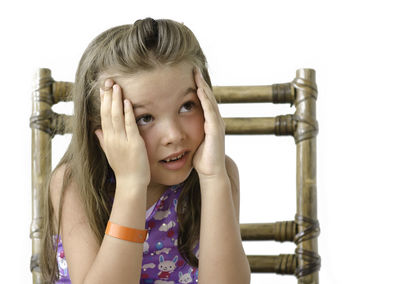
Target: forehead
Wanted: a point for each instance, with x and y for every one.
(161, 84)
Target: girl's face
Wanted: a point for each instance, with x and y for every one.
(169, 118)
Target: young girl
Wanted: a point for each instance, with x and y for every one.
(144, 192)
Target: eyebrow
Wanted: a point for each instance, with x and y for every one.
(187, 92)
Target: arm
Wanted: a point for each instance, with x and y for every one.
(222, 258)
(114, 261)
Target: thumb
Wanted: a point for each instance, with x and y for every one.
(99, 134)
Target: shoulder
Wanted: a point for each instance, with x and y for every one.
(69, 194)
(56, 184)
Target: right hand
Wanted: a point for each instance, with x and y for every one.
(120, 138)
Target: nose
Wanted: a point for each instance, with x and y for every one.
(173, 132)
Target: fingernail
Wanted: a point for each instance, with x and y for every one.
(108, 83)
(101, 92)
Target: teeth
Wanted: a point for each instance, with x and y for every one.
(174, 159)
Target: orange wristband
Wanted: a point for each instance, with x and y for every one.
(125, 233)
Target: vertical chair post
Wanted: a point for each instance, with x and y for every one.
(41, 160)
(305, 137)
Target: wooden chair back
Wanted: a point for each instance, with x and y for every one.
(301, 92)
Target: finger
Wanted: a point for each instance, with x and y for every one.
(130, 122)
(117, 115)
(105, 108)
(99, 134)
(210, 98)
(209, 111)
(200, 82)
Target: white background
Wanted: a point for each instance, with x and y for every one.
(354, 48)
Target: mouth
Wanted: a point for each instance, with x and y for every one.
(175, 158)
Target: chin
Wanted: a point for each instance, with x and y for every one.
(175, 179)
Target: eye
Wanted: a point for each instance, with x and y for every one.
(145, 119)
(189, 105)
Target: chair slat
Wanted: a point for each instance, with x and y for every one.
(62, 91)
(280, 264)
(279, 125)
(276, 93)
(278, 231)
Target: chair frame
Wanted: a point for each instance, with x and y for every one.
(302, 125)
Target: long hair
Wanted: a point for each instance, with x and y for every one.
(121, 50)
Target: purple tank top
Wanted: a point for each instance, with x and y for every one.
(162, 263)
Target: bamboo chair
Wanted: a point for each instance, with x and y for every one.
(302, 125)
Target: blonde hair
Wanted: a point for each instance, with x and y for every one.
(122, 50)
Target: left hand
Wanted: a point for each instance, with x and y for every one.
(209, 159)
